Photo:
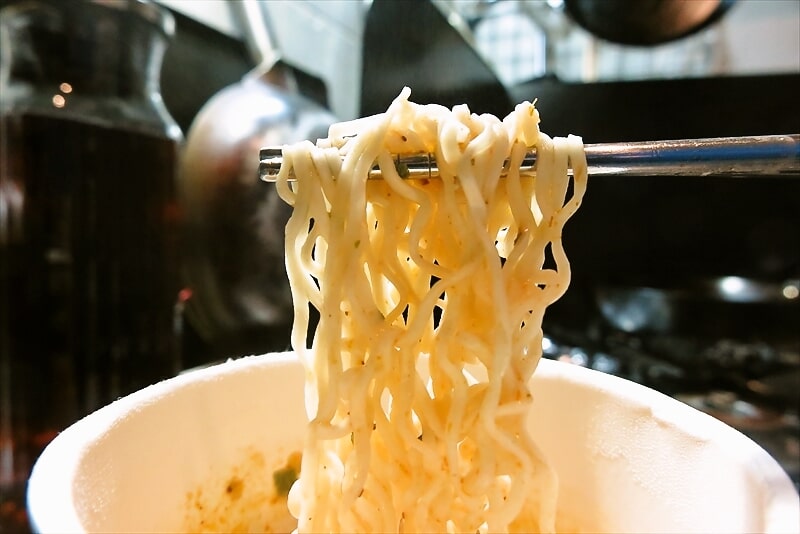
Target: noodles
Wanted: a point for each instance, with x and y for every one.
(431, 295)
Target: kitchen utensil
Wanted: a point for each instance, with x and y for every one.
(773, 155)
(645, 22)
(233, 233)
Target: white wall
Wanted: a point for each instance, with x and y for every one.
(761, 36)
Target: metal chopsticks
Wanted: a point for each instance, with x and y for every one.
(766, 155)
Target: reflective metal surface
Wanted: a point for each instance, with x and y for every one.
(233, 228)
(645, 22)
(773, 155)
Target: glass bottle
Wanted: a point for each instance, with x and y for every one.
(88, 220)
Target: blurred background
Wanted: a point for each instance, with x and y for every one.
(136, 241)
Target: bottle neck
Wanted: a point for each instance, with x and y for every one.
(80, 49)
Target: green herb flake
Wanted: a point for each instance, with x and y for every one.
(402, 169)
(284, 477)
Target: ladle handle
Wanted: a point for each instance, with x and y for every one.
(257, 32)
(260, 40)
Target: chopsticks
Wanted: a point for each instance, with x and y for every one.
(765, 155)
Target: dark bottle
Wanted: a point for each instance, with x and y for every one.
(88, 220)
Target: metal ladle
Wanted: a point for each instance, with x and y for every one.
(645, 22)
(233, 232)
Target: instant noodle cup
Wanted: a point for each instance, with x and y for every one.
(215, 449)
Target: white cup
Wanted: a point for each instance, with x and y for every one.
(197, 453)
